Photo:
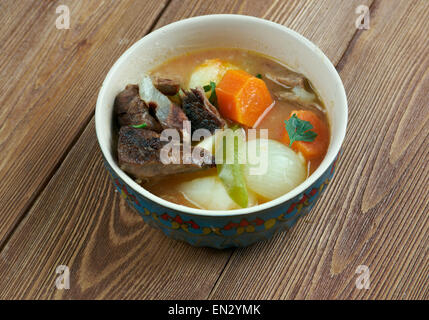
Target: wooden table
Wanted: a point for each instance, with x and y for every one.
(58, 206)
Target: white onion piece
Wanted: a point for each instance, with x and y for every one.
(210, 70)
(209, 143)
(209, 193)
(285, 168)
(303, 94)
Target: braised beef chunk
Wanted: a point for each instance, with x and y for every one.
(137, 114)
(131, 110)
(199, 110)
(139, 153)
(168, 114)
(124, 98)
(173, 118)
(169, 87)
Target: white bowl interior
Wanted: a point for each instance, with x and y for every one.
(224, 31)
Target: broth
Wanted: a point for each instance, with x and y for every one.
(181, 68)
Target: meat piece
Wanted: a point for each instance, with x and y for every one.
(288, 80)
(200, 111)
(125, 96)
(169, 87)
(131, 110)
(139, 154)
(300, 97)
(137, 114)
(168, 114)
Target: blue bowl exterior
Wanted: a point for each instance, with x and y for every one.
(223, 232)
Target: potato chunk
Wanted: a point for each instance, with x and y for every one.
(210, 194)
(208, 71)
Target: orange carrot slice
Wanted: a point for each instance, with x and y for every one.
(242, 97)
(317, 148)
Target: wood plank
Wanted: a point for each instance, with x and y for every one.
(49, 82)
(330, 24)
(110, 251)
(79, 221)
(375, 212)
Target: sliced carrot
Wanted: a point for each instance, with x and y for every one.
(242, 97)
(317, 148)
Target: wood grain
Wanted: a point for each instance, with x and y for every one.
(49, 81)
(330, 24)
(110, 251)
(375, 212)
(79, 221)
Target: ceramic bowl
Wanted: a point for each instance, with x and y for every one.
(222, 229)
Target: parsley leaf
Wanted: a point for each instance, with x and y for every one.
(139, 126)
(299, 130)
(211, 87)
(259, 76)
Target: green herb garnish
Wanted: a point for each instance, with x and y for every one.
(231, 174)
(139, 126)
(211, 87)
(299, 130)
(259, 76)
(235, 126)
